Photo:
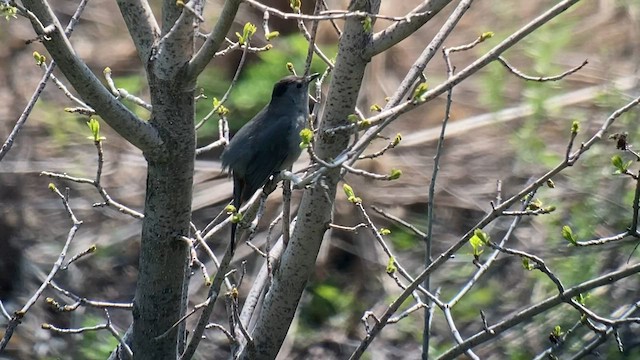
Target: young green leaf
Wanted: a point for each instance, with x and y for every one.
(351, 196)
(290, 68)
(527, 264)
(550, 184)
(568, 235)
(94, 126)
(477, 242)
(247, 32)
(40, 59)
(221, 110)
(272, 35)
(483, 236)
(486, 35)
(364, 124)
(8, 11)
(621, 166)
(535, 205)
(236, 218)
(295, 5)
(367, 24)
(582, 298)
(396, 140)
(306, 135)
(419, 92)
(391, 265)
(557, 331)
(353, 118)
(395, 174)
(575, 127)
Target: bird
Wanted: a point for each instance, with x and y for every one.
(270, 141)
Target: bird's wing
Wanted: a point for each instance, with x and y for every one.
(239, 152)
(268, 159)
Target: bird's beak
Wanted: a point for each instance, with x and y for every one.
(309, 78)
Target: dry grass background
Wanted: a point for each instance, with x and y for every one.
(477, 154)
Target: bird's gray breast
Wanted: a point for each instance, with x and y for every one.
(293, 139)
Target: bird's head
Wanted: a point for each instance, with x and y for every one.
(292, 90)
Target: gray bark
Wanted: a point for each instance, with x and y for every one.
(160, 293)
(168, 143)
(314, 215)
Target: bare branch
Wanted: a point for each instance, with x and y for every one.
(428, 53)
(175, 48)
(538, 308)
(524, 76)
(121, 93)
(140, 133)
(19, 314)
(108, 201)
(442, 258)
(212, 296)
(399, 31)
(332, 14)
(142, 26)
(390, 114)
(214, 40)
(36, 94)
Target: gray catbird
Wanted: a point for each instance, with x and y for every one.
(270, 142)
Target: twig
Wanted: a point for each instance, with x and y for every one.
(79, 301)
(390, 255)
(329, 15)
(524, 76)
(19, 314)
(368, 174)
(399, 221)
(90, 250)
(212, 296)
(311, 39)
(108, 201)
(121, 93)
(444, 256)
(224, 98)
(533, 310)
(6, 146)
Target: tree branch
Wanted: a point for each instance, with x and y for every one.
(390, 114)
(126, 123)
(399, 31)
(427, 54)
(142, 26)
(176, 46)
(4, 150)
(214, 40)
(539, 308)
(487, 219)
(314, 214)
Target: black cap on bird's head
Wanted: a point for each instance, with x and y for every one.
(292, 81)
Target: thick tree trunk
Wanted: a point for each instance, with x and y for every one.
(160, 294)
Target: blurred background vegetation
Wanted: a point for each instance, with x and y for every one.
(350, 276)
